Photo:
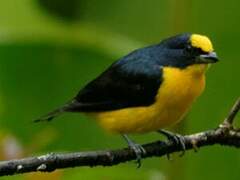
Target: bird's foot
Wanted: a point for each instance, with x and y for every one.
(176, 138)
(137, 148)
(139, 151)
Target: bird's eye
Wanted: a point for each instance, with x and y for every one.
(188, 48)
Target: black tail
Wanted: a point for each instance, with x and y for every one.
(51, 115)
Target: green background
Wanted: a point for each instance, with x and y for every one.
(50, 49)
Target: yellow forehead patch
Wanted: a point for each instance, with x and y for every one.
(202, 42)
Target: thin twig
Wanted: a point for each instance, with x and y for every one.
(53, 161)
(233, 113)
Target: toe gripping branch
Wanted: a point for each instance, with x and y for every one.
(137, 149)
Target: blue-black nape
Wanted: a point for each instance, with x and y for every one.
(176, 42)
(169, 52)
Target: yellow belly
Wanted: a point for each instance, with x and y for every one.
(175, 96)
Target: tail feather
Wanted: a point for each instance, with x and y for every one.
(51, 115)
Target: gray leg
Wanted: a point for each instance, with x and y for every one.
(137, 148)
(176, 138)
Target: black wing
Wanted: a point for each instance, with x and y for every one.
(130, 82)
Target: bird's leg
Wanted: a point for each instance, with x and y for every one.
(176, 138)
(137, 148)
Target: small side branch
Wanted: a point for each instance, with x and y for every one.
(223, 135)
(229, 120)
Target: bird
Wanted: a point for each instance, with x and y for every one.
(146, 90)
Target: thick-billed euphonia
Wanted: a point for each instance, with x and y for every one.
(146, 90)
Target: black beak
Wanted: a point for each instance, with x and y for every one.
(208, 58)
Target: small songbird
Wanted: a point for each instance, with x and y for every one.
(146, 90)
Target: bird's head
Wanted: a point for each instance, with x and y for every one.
(189, 49)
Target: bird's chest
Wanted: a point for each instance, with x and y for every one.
(177, 92)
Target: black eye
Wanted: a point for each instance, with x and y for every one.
(192, 50)
(189, 48)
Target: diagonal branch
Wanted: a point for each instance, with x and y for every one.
(229, 120)
(223, 135)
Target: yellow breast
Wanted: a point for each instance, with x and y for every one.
(175, 96)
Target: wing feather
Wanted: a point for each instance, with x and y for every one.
(131, 82)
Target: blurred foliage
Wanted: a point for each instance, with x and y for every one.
(50, 49)
(69, 10)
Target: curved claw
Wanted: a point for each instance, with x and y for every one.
(176, 138)
(137, 148)
(182, 144)
(139, 151)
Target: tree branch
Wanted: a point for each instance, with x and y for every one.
(225, 134)
(229, 120)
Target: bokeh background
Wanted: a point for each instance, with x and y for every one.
(50, 48)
